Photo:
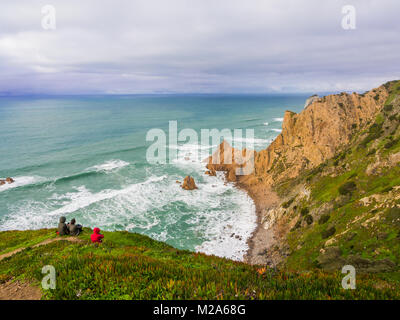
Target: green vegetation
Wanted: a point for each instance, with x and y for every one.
(309, 219)
(347, 188)
(324, 218)
(12, 240)
(287, 203)
(131, 266)
(304, 211)
(391, 143)
(388, 107)
(328, 232)
(374, 132)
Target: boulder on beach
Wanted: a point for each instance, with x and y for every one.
(188, 183)
(2, 182)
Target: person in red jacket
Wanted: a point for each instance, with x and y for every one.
(96, 236)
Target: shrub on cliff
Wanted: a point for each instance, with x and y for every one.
(388, 107)
(328, 232)
(387, 189)
(374, 132)
(393, 215)
(287, 203)
(304, 211)
(309, 219)
(324, 218)
(391, 143)
(347, 188)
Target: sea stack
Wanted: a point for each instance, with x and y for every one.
(188, 183)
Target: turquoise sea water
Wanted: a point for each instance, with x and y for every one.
(85, 158)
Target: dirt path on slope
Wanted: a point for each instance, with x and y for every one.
(19, 291)
(47, 241)
(15, 290)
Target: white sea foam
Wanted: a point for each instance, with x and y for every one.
(276, 130)
(20, 181)
(229, 232)
(219, 209)
(109, 165)
(266, 123)
(34, 215)
(216, 212)
(278, 119)
(226, 215)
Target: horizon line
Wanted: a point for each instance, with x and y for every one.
(10, 95)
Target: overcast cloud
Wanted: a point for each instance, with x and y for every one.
(232, 46)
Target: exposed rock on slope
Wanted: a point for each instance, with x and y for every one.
(317, 133)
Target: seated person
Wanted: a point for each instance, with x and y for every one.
(96, 236)
(74, 229)
(62, 229)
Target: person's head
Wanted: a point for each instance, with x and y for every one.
(73, 221)
(62, 220)
(96, 230)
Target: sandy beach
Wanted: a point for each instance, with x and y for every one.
(262, 239)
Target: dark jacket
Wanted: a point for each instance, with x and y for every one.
(96, 236)
(62, 227)
(73, 229)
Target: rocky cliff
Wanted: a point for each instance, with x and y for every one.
(310, 137)
(348, 141)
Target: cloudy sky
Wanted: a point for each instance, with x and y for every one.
(193, 46)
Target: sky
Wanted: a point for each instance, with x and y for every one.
(197, 46)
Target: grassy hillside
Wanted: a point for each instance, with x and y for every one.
(131, 266)
(352, 214)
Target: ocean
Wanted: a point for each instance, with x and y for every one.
(84, 157)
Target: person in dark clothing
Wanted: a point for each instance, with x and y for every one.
(74, 229)
(62, 227)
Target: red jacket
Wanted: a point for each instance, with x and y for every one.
(96, 236)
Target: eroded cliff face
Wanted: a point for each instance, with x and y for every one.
(318, 133)
(307, 139)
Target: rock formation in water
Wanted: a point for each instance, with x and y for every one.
(7, 180)
(188, 183)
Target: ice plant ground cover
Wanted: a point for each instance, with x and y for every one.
(133, 266)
